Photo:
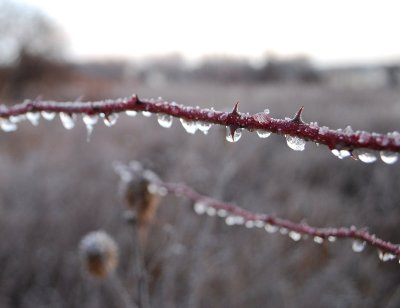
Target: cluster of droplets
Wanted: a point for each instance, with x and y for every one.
(367, 156)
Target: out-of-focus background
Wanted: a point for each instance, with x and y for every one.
(340, 60)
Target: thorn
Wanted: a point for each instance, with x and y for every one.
(297, 118)
(235, 109)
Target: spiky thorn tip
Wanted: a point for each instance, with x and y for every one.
(298, 116)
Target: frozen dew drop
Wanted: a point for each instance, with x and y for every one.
(164, 120)
(131, 113)
(7, 126)
(89, 120)
(17, 118)
(211, 211)
(146, 114)
(230, 220)
(389, 157)
(249, 224)
(270, 228)
(295, 236)
(263, 133)
(318, 239)
(266, 111)
(222, 213)
(33, 117)
(295, 143)
(331, 238)
(200, 207)
(283, 231)
(341, 153)
(233, 136)
(259, 224)
(204, 127)
(48, 115)
(189, 126)
(358, 246)
(110, 119)
(67, 120)
(239, 220)
(385, 256)
(366, 156)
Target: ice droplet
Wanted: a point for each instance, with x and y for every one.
(146, 114)
(48, 115)
(17, 118)
(164, 120)
(200, 207)
(230, 220)
(204, 127)
(259, 224)
(389, 157)
(211, 211)
(295, 236)
(358, 246)
(131, 113)
(249, 224)
(239, 220)
(189, 126)
(366, 156)
(385, 256)
(222, 213)
(318, 239)
(33, 117)
(263, 133)
(233, 136)
(7, 126)
(341, 153)
(67, 120)
(295, 143)
(89, 120)
(331, 238)
(110, 119)
(270, 228)
(283, 231)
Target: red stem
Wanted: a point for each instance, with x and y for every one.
(304, 229)
(334, 139)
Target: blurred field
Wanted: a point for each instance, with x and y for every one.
(55, 187)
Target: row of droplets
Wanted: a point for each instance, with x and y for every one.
(191, 127)
(201, 207)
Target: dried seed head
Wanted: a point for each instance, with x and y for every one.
(99, 253)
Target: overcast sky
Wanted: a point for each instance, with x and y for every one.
(328, 31)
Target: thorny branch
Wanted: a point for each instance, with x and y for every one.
(344, 142)
(234, 214)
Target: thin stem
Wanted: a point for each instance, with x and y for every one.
(334, 139)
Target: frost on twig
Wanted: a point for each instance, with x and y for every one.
(342, 143)
(234, 215)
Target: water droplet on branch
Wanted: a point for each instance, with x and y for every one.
(204, 127)
(110, 119)
(189, 126)
(295, 236)
(67, 120)
(263, 133)
(89, 120)
(48, 115)
(385, 256)
(233, 134)
(164, 120)
(7, 126)
(295, 143)
(389, 157)
(270, 228)
(33, 117)
(131, 113)
(146, 114)
(366, 156)
(200, 207)
(318, 239)
(358, 246)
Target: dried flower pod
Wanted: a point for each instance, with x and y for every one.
(99, 253)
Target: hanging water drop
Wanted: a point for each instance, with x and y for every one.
(7, 126)
(200, 207)
(17, 118)
(211, 211)
(366, 156)
(48, 115)
(295, 143)
(33, 117)
(232, 134)
(89, 120)
(295, 236)
(67, 120)
(389, 157)
(270, 228)
(239, 220)
(230, 220)
(318, 239)
(222, 213)
(263, 133)
(331, 238)
(385, 256)
(259, 224)
(358, 246)
(164, 120)
(146, 114)
(341, 153)
(189, 126)
(204, 127)
(283, 231)
(131, 113)
(110, 119)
